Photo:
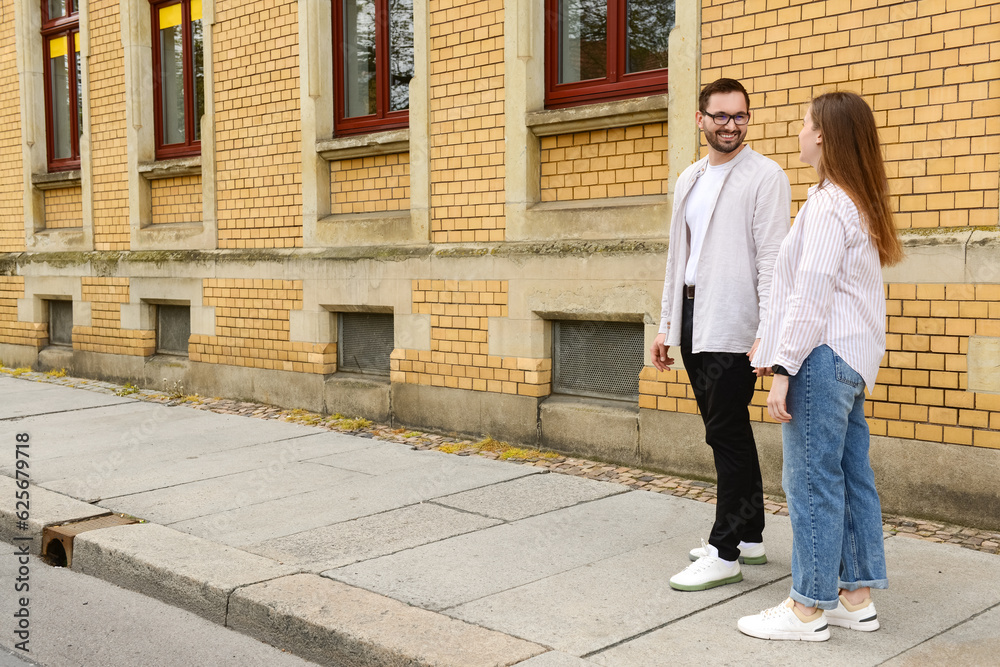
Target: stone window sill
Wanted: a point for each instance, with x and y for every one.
(601, 116)
(185, 166)
(57, 179)
(364, 145)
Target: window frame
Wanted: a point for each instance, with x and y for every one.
(159, 345)
(616, 85)
(51, 304)
(383, 118)
(68, 26)
(189, 147)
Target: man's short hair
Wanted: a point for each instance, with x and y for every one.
(721, 86)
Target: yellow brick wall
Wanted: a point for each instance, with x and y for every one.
(106, 66)
(257, 124)
(105, 333)
(64, 208)
(620, 162)
(371, 184)
(467, 120)
(459, 356)
(13, 332)
(928, 69)
(252, 328)
(921, 390)
(176, 199)
(11, 175)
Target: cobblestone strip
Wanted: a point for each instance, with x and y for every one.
(971, 538)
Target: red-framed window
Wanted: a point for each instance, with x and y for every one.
(63, 83)
(598, 50)
(178, 77)
(372, 64)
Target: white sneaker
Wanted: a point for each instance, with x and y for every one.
(785, 622)
(749, 554)
(854, 616)
(707, 572)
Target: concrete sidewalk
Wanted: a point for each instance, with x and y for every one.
(352, 551)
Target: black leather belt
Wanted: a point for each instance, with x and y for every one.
(689, 291)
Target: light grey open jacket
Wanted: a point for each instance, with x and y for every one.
(749, 219)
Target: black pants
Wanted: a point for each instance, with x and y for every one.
(723, 384)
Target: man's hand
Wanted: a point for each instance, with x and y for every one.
(776, 399)
(658, 353)
(760, 371)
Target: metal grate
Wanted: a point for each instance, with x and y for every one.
(365, 343)
(173, 329)
(601, 359)
(60, 322)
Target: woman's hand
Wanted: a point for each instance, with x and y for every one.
(776, 399)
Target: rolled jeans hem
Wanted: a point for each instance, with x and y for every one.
(813, 602)
(855, 585)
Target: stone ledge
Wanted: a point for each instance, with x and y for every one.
(364, 145)
(57, 179)
(601, 116)
(185, 166)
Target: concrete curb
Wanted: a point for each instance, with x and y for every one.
(319, 619)
(338, 625)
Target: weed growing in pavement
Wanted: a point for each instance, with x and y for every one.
(175, 390)
(355, 424)
(518, 453)
(127, 389)
(61, 373)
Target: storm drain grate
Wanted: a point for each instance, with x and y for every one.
(57, 541)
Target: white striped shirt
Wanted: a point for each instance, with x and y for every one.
(827, 289)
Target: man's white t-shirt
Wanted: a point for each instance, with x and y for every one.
(698, 211)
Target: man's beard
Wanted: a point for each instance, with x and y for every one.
(714, 142)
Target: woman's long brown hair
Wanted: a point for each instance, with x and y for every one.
(851, 158)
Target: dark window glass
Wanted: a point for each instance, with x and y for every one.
(63, 84)
(365, 343)
(605, 49)
(373, 64)
(60, 322)
(173, 329)
(178, 77)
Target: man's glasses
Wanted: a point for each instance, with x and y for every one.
(723, 118)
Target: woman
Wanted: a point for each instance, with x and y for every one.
(824, 340)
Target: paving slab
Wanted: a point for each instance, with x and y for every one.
(925, 598)
(132, 472)
(350, 500)
(341, 626)
(589, 608)
(528, 496)
(179, 569)
(382, 458)
(371, 536)
(45, 508)
(190, 500)
(972, 642)
(23, 398)
(468, 567)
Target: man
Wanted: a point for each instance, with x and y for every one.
(731, 212)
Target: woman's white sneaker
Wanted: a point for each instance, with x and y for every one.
(854, 616)
(786, 622)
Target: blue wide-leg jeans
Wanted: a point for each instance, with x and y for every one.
(828, 481)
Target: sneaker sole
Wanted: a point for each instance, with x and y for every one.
(820, 635)
(866, 625)
(710, 584)
(753, 560)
